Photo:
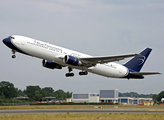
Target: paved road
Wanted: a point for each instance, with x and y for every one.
(38, 111)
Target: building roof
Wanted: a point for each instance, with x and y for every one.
(22, 98)
(48, 97)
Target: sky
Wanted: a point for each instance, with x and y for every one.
(97, 28)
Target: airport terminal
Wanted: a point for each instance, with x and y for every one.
(109, 96)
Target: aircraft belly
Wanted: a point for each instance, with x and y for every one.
(107, 71)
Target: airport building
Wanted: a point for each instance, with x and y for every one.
(135, 101)
(85, 97)
(141, 100)
(109, 95)
(22, 98)
(48, 99)
(125, 100)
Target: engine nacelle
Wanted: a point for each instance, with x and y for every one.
(51, 65)
(72, 60)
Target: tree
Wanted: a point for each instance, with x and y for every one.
(160, 96)
(2, 96)
(47, 92)
(7, 89)
(69, 95)
(37, 95)
(31, 92)
(20, 92)
(134, 94)
(59, 94)
(155, 97)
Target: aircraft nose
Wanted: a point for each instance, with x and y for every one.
(7, 41)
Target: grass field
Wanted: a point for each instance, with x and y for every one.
(83, 117)
(139, 107)
(67, 116)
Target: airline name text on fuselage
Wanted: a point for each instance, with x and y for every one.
(46, 46)
(50, 47)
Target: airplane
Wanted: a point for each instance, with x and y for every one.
(55, 57)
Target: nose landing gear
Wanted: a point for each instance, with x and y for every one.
(13, 56)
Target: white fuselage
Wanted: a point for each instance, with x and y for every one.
(54, 53)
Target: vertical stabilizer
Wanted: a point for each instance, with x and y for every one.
(137, 62)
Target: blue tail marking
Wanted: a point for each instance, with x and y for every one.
(137, 62)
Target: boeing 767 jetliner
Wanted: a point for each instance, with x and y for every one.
(55, 57)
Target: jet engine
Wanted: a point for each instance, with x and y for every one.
(72, 60)
(51, 65)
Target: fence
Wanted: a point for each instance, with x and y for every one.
(16, 104)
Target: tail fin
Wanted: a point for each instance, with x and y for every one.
(137, 62)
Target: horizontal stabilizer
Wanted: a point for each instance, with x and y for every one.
(144, 73)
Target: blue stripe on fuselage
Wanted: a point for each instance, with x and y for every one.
(129, 76)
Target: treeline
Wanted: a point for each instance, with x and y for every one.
(35, 93)
(157, 97)
(134, 94)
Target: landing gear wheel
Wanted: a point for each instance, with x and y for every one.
(69, 74)
(13, 51)
(13, 56)
(83, 73)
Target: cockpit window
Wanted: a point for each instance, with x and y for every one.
(11, 37)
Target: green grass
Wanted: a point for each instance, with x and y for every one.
(68, 116)
(83, 117)
(161, 108)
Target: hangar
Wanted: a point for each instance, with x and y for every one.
(85, 97)
(107, 96)
(141, 100)
(125, 100)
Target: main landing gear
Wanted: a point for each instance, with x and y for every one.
(69, 74)
(83, 73)
(13, 56)
(72, 74)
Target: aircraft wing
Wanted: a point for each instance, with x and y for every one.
(144, 73)
(91, 61)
